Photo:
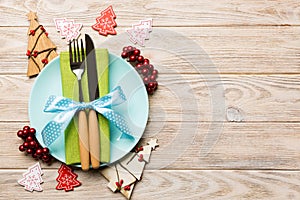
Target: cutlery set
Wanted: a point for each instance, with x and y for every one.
(88, 130)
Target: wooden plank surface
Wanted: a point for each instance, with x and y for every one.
(256, 50)
(226, 113)
(161, 184)
(172, 13)
(206, 146)
(191, 97)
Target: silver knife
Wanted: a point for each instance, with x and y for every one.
(94, 136)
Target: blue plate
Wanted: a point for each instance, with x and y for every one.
(135, 109)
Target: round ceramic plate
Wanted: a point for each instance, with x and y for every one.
(135, 109)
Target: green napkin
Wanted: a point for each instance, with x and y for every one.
(70, 90)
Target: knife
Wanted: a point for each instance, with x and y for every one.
(94, 136)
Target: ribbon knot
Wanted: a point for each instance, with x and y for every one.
(84, 106)
(66, 109)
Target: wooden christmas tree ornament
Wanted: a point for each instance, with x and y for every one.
(40, 48)
(124, 175)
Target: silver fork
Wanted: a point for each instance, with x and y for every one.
(77, 64)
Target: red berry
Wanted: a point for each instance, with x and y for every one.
(141, 148)
(141, 158)
(118, 185)
(139, 66)
(32, 144)
(140, 59)
(146, 80)
(150, 90)
(146, 61)
(20, 134)
(22, 148)
(43, 29)
(39, 152)
(136, 52)
(145, 71)
(48, 160)
(127, 187)
(26, 145)
(32, 131)
(28, 53)
(155, 72)
(129, 48)
(45, 157)
(151, 68)
(152, 78)
(155, 85)
(121, 181)
(25, 133)
(146, 66)
(124, 54)
(45, 61)
(29, 139)
(26, 128)
(35, 54)
(125, 49)
(151, 85)
(34, 155)
(29, 151)
(132, 58)
(45, 150)
(32, 32)
(136, 149)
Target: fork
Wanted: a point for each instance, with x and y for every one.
(77, 64)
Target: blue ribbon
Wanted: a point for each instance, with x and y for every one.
(66, 109)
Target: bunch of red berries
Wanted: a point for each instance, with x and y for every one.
(142, 66)
(31, 145)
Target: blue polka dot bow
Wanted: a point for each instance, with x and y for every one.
(66, 109)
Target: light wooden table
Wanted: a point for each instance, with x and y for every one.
(227, 111)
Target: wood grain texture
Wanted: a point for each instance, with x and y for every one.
(196, 146)
(256, 50)
(162, 184)
(94, 139)
(83, 133)
(192, 98)
(173, 13)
